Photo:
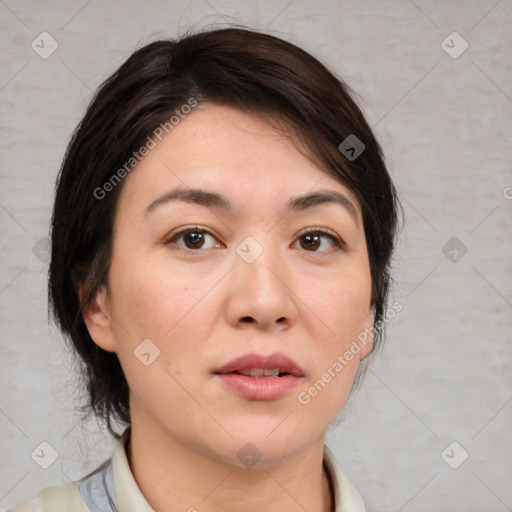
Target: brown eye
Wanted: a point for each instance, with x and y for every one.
(193, 239)
(312, 240)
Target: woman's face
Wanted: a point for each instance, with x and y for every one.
(253, 280)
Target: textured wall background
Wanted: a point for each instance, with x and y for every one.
(444, 119)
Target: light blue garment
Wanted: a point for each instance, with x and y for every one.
(98, 490)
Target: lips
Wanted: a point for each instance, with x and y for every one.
(260, 378)
(256, 365)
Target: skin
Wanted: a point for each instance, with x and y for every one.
(187, 426)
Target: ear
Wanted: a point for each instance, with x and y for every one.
(98, 321)
(367, 344)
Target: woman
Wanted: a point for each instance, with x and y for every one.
(221, 239)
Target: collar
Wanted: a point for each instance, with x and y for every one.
(131, 499)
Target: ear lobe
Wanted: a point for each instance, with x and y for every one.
(369, 328)
(97, 319)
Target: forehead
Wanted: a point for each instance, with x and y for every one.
(222, 148)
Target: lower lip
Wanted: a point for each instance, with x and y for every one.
(260, 388)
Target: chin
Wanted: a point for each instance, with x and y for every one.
(267, 441)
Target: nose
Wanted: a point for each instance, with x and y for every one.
(261, 294)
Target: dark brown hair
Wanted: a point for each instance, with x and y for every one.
(236, 67)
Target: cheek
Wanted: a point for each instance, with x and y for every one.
(175, 314)
(148, 297)
(341, 310)
(172, 309)
(326, 393)
(340, 305)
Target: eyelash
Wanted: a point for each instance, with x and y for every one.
(339, 244)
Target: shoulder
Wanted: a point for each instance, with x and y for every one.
(95, 491)
(59, 498)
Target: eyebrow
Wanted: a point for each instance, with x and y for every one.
(218, 201)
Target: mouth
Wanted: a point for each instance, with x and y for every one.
(261, 378)
(262, 372)
(255, 365)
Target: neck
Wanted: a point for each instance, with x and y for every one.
(167, 471)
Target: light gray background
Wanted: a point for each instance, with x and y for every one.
(445, 125)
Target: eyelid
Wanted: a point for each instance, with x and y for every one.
(317, 229)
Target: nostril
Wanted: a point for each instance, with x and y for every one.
(247, 319)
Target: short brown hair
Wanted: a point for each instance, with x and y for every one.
(236, 67)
